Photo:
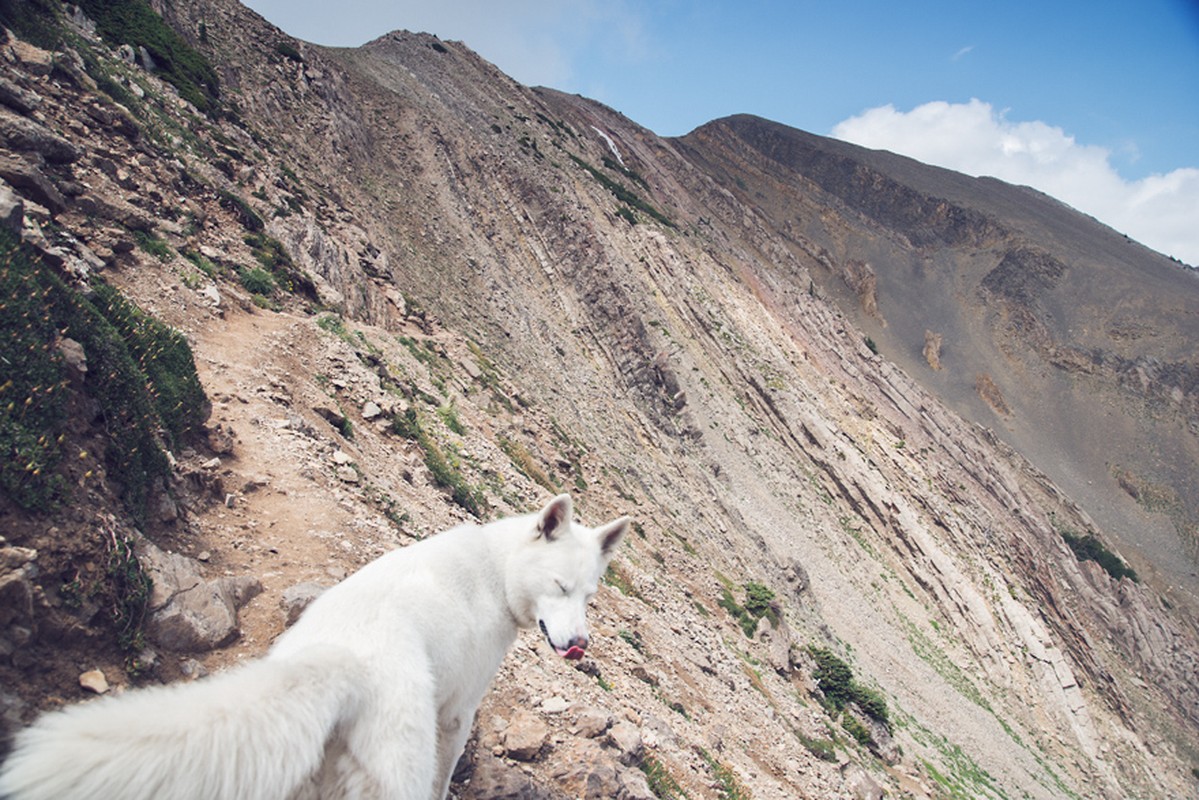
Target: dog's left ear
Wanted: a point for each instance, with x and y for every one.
(610, 535)
(554, 518)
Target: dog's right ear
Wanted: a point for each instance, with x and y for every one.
(554, 518)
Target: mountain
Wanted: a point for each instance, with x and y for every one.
(415, 293)
(1072, 342)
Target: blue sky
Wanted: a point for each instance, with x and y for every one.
(1095, 103)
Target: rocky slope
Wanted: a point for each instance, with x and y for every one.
(498, 293)
(1046, 320)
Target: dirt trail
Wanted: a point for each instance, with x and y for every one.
(278, 523)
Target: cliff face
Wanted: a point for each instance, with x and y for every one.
(563, 301)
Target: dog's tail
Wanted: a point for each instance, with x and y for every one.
(257, 731)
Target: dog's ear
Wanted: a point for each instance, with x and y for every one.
(610, 535)
(554, 518)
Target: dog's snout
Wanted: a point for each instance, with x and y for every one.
(580, 642)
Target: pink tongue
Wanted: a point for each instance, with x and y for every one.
(574, 653)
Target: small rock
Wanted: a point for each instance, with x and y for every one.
(593, 722)
(347, 475)
(220, 441)
(192, 669)
(297, 598)
(554, 705)
(94, 681)
(525, 737)
(340, 458)
(626, 738)
(371, 410)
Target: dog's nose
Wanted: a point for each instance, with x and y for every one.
(580, 642)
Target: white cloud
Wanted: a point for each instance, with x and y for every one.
(1161, 211)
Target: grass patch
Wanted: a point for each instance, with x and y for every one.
(257, 281)
(823, 748)
(151, 244)
(616, 577)
(445, 474)
(660, 781)
(520, 457)
(728, 787)
(1090, 548)
(140, 373)
(622, 193)
(131, 586)
(135, 23)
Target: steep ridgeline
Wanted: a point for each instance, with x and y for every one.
(837, 585)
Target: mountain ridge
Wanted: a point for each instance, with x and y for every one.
(481, 268)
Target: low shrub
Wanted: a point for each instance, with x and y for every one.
(1090, 548)
(836, 681)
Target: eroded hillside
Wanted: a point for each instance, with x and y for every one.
(481, 294)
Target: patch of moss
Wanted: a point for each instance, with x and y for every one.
(140, 373)
(35, 21)
(135, 23)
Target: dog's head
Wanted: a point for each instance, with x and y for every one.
(557, 572)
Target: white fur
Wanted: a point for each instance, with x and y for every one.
(370, 695)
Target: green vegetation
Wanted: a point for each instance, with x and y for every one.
(823, 748)
(288, 51)
(246, 216)
(616, 577)
(633, 640)
(1090, 548)
(165, 360)
(837, 684)
(759, 602)
(153, 245)
(727, 785)
(523, 460)
(131, 588)
(445, 474)
(35, 21)
(257, 281)
(660, 781)
(140, 373)
(622, 193)
(133, 22)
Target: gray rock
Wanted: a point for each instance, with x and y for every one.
(12, 209)
(29, 181)
(189, 613)
(297, 598)
(626, 738)
(25, 135)
(593, 722)
(494, 780)
(525, 737)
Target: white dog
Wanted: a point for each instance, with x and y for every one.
(370, 695)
